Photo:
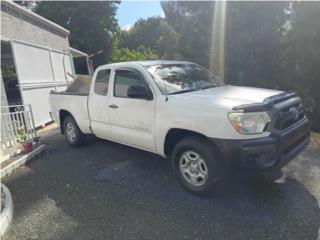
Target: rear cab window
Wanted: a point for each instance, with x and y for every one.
(102, 82)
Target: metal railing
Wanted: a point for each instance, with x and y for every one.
(16, 120)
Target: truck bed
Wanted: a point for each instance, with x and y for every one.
(72, 103)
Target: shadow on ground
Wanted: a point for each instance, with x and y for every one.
(110, 191)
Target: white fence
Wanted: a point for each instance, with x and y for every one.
(15, 119)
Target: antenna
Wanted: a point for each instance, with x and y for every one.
(165, 89)
(165, 83)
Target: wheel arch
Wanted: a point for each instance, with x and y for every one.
(174, 135)
(62, 116)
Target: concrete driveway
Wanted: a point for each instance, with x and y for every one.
(110, 191)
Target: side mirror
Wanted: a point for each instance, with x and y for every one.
(138, 91)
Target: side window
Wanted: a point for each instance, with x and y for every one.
(124, 79)
(102, 82)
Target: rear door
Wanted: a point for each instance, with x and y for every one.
(98, 103)
(131, 119)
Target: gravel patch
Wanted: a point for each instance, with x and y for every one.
(109, 191)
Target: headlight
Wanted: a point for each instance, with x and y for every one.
(249, 123)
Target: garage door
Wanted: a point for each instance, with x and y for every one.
(40, 70)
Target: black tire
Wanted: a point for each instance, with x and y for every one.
(207, 152)
(79, 138)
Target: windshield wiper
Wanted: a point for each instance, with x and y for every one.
(211, 86)
(182, 91)
(192, 90)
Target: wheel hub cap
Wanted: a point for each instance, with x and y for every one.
(193, 168)
(70, 131)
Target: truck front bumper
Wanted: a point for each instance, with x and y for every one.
(272, 152)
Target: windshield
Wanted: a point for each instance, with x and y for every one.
(180, 78)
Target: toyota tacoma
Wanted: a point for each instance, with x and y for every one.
(182, 111)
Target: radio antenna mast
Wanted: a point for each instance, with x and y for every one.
(165, 83)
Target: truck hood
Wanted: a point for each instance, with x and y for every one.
(228, 96)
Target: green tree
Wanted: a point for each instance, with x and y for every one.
(91, 24)
(144, 31)
(125, 54)
(301, 57)
(252, 38)
(192, 21)
(167, 42)
(253, 43)
(153, 33)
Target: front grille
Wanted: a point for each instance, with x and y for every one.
(289, 115)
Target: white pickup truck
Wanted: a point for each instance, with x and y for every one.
(182, 111)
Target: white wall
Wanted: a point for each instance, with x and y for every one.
(22, 25)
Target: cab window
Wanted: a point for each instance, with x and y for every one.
(125, 79)
(102, 82)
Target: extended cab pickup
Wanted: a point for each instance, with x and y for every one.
(182, 111)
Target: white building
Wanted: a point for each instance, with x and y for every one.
(35, 59)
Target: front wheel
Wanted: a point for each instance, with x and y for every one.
(72, 132)
(196, 164)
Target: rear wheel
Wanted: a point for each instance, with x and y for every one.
(72, 132)
(196, 164)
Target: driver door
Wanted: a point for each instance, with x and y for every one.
(131, 119)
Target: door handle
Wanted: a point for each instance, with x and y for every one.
(113, 106)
